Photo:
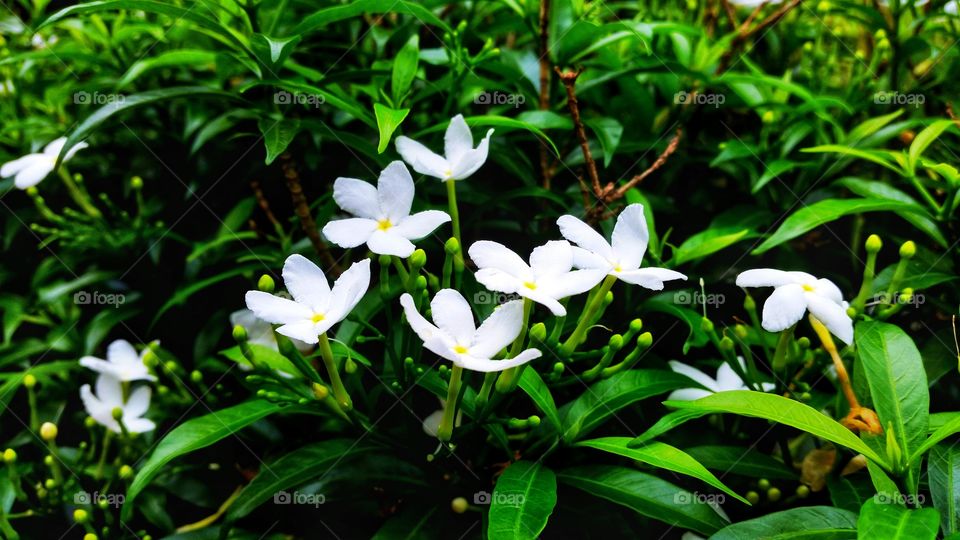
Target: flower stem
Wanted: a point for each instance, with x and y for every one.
(455, 222)
(339, 392)
(78, 194)
(780, 354)
(586, 318)
(828, 345)
(103, 454)
(445, 431)
(510, 377)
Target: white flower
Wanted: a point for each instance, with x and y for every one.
(455, 337)
(122, 363)
(110, 396)
(622, 257)
(315, 308)
(727, 379)
(794, 294)
(383, 219)
(460, 158)
(32, 168)
(547, 279)
(259, 331)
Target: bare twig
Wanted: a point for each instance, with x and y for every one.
(569, 80)
(302, 210)
(545, 169)
(745, 31)
(263, 203)
(731, 13)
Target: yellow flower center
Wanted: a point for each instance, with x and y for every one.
(448, 173)
(530, 285)
(618, 268)
(317, 317)
(384, 224)
(808, 288)
(460, 349)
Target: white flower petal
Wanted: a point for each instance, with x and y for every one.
(347, 291)
(485, 365)
(487, 254)
(570, 283)
(421, 224)
(304, 330)
(138, 425)
(457, 140)
(583, 235)
(109, 391)
(259, 332)
(587, 260)
(99, 365)
(472, 160)
(96, 408)
(441, 347)
(547, 300)
(73, 150)
(702, 378)
(651, 278)
(630, 237)
(828, 289)
(498, 280)
(763, 277)
(121, 351)
(498, 330)
(431, 424)
(832, 315)
(357, 197)
(54, 147)
(350, 232)
(727, 378)
(421, 158)
(276, 310)
(138, 402)
(32, 175)
(551, 259)
(784, 307)
(420, 325)
(453, 315)
(306, 282)
(395, 192)
(11, 168)
(390, 243)
(688, 394)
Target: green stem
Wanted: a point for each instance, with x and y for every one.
(507, 382)
(445, 431)
(78, 194)
(455, 222)
(780, 354)
(339, 392)
(580, 332)
(483, 396)
(869, 272)
(103, 454)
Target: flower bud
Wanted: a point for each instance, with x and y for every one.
(452, 246)
(349, 366)
(533, 420)
(706, 324)
(773, 494)
(803, 491)
(117, 413)
(421, 283)
(89, 421)
(824, 6)
(768, 117)
(558, 368)
(266, 284)
(32, 192)
(196, 376)
(804, 342)
(48, 460)
(608, 298)
(29, 381)
(538, 332)
(645, 340)
(48, 431)
(170, 366)
(459, 505)
(418, 259)
(908, 250)
(320, 391)
(740, 331)
(763, 483)
(808, 46)
(636, 325)
(726, 344)
(90, 536)
(49, 484)
(9, 456)
(150, 358)
(873, 244)
(753, 497)
(616, 342)
(80, 515)
(136, 182)
(749, 303)
(126, 471)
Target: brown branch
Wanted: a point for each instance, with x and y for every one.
(302, 210)
(569, 80)
(731, 13)
(661, 159)
(263, 203)
(544, 84)
(745, 32)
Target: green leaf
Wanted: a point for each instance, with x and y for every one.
(195, 434)
(294, 469)
(533, 385)
(809, 522)
(647, 495)
(923, 140)
(897, 381)
(388, 120)
(819, 213)
(356, 8)
(875, 156)
(666, 302)
(891, 521)
(948, 428)
(405, 69)
(783, 410)
(265, 356)
(773, 170)
(662, 456)
(742, 461)
(175, 58)
(943, 472)
(725, 230)
(90, 123)
(665, 424)
(273, 52)
(869, 127)
(608, 132)
(882, 190)
(522, 501)
(277, 135)
(605, 398)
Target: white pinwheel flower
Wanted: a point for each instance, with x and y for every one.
(547, 279)
(30, 169)
(456, 338)
(622, 256)
(460, 158)
(315, 308)
(110, 396)
(122, 363)
(796, 292)
(727, 379)
(383, 219)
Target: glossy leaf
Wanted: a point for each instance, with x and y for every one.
(809, 522)
(388, 120)
(891, 521)
(533, 385)
(522, 501)
(277, 135)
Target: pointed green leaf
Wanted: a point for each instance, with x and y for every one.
(404, 69)
(943, 472)
(388, 120)
(277, 135)
(522, 502)
(805, 523)
(880, 518)
(533, 385)
(923, 140)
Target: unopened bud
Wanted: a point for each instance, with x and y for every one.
(452, 246)
(773, 494)
(706, 324)
(117, 413)
(320, 391)
(48, 431)
(196, 376)
(908, 249)
(873, 244)
(459, 505)
(726, 344)
(126, 471)
(616, 342)
(80, 515)
(9, 456)
(645, 340)
(136, 182)
(421, 283)
(266, 284)
(418, 259)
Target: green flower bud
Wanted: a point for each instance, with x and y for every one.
(48, 431)
(763, 483)
(170, 366)
(103, 503)
(608, 298)
(558, 368)
(421, 283)
(29, 381)
(80, 515)
(90, 536)
(645, 340)
(136, 182)
(773, 494)
(459, 505)
(873, 244)
(117, 413)
(749, 303)
(418, 258)
(452, 246)
(768, 117)
(616, 342)
(636, 325)
(266, 284)
(533, 421)
(908, 250)
(538, 332)
(408, 361)
(804, 342)
(824, 6)
(880, 34)
(89, 421)
(32, 192)
(808, 46)
(320, 391)
(126, 472)
(9, 456)
(49, 483)
(753, 497)
(726, 344)
(706, 324)
(48, 460)
(740, 331)
(803, 491)
(349, 366)
(150, 358)
(196, 376)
